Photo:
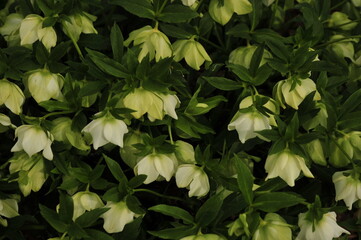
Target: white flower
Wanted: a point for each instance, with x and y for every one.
(184, 152)
(152, 42)
(78, 23)
(47, 36)
(10, 29)
(9, 209)
(193, 178)
(12, 96)
(204, 237)
(155, 165)
(188, 2)
(44, 85)
(117, 216)
(33, 139)
(273, 227)
(223, 13)
(287, 166)
(348, 188)
(106, 129)
(324, 229)
(170, 103)
(192, 51)
(31, 170)
(85, 201)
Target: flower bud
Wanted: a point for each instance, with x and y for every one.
(193, 178)
(32, 172)
(12, 96)
(128, 152)
(286, 165)
(243, 56)
(341, 20)
(343, 48)
(293, 93)
(9, 209)
(78, 23)
(223, 13)
(85, 201)
(155, 165)
(44, 85)
(117, 216)
(273, 227)
(192, 51)
(106, 129)
(152, 42)
(10, 29)
(5, 123)
(33, 139)
(184, 152)
(315, 151)
(324, 229)
(347, 186)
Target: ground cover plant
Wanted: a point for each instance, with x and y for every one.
(180, 119)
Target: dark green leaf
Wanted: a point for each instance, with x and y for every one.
(115, 169)
(66, 208)
(256, 60)
(91, 87)
(279, 49)
(176, 212)
(223, 83)
(41, 53)
(262, 74)
(49, 22)
(137, 181)
(274, 201)
(351, 103)
(176, 13)
(52, 218)
(244, 179)
(97, 235)
(87, 219)
(116, 40)
(241, 72)
(140, 8)
(52, 105)
(174, 233)
(75, 231)
(209, 211)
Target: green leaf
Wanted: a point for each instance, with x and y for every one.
(140, 8)
(117, 42)
(49, 22)
(134, 205)
(209, 211)
(87, 219)
(204, 105)
(244, 179)
(59, 51)
(256, 59)
(41, 53)
(241, 72)
(174, 233)
(137, 181)
(262, 74)
(91, 87)
(52, 106)
(176, 212)
(292, 127)
(52, 218)
(351, 103)
(176, 13)
(115, 169)
(107, 65)
(223, 83)
(75, 231)
(66, 208)
(278, 48)
(96, 235)
(175, 31)
(256, 13)
(274, 201)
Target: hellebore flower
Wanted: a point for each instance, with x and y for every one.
(78, 23)
(5, 123)
(44, 85)
(32, 173)
(315, 151)
(106, 129)
(12, 96)
(348, 187)
(341, 20)
(117, 216)
(9, 209)
(324, 229)
(192, 51)
(337, 156)
(184, 152)
(155, 165)
(223, 13)
(204, 237)
(33, 139)
(343, 48)
(10, 29)
(188, 2)
(273, 227)
(85, 201)
(243, 56)
(128, 152)
(152, 42)
(193, 178)
(287, 166)
(293, 93)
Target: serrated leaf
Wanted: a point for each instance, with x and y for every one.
(176, 212)
(223, 83)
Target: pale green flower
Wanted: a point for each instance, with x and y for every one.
(128, 152)
(85, 201)
(106, 129)
(273, 227)
(341, 20)
(348, 187)
(117, 216)
(222, 14)
(287, 166)
(10, 29)
(78, 23)
(343, 48)
(33, 139)
(9, 209)
(5, 123)
(193, 178)
(243, 56)
(44, 85)
(12, 96)
(239, 226)
(188, 2)
(204, 237)
(315, 151)
(184, 152)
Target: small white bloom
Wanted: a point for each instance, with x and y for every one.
(170, 103)
(324, 229)
(287, 166)
(348, 188)
(193, 178)
(117, 216)
(9, 209)
(222, 14)
(155, 165)
(12, 96)
(106, 129)
(33, 139)
(85, 201)
(188, 2)
(273, 227)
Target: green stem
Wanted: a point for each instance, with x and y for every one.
(158, 194)
(162, 7)
(337, 40)
(210, 43)
(55, 113)
(170, 133)
(338, 4)
(219, 36)
(77, 49)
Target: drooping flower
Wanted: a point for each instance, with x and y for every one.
(85, 201)
(223, 13)
(338, 149)
(12, 96)
(5, 123)
(188, 2)
(128, 152)
(347, 186)
(243, 56)
(324, 229)
(117, 216)
(9, 209)
(192, 51)
(201, 236)
(286, 165)
(184, 152)
(106, 129)
(10, 29)
(341, 20)
(273, 227)
(155, 165)
(343, 48)
(78, 23)
(44, 85)
(193, 178)
(152, 42)
(315, 151)
(33, 139)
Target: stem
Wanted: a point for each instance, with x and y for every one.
(55, 113)
(337, 40)
(162, 7)
(170, 134)
(219, 36)
(78, 49)
(338, 4)
(158, 194)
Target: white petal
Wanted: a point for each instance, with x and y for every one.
(164, 166)
(146, 166)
